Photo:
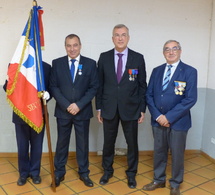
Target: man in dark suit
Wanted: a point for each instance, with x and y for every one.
(121, 97)
(172, 91)
(73, 84)
(29, 163)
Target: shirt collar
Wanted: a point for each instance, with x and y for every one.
(125, 52)
(77, 58)
(174, 64)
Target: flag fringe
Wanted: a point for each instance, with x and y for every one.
(24, 118)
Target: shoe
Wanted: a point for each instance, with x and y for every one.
(175, 191)
(152, 186)
(36, 179)
(105, 178)
(132, 182)
(21, 181)
(87, 181)
(58, 180)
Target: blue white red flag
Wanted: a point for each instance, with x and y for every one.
(25, 74)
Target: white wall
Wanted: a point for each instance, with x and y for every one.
(208, 132)
(151, 23)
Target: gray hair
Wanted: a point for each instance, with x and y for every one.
(170, 41)
(121, 26)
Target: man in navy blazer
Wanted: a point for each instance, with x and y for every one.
(170, 96)
(121, 100)
(73, 84)
(28, 139)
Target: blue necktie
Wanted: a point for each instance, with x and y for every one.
(72, 69)
(167, 77)
(119, 67)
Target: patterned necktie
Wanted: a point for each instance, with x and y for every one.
(167, 77)
(119, 67)
(72, 69)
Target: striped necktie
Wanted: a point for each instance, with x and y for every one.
(72, 69)
(167, 77)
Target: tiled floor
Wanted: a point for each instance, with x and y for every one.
(199, 178)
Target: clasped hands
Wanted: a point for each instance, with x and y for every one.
(73, 109)
(162, 120)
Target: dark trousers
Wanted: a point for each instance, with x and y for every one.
(166, 139)
(82, 145)
(29, 144)
(110, 133)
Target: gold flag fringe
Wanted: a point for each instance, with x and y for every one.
(24, 118)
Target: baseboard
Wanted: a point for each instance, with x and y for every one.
(208, 157)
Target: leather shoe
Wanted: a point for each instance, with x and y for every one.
(152, 186)
(36, 179)
(175, 191)
(21, 181)
(58, 180)
(105, 178)
(132, 182)
(87, 181)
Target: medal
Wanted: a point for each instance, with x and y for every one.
(132, 74)
(179, 87)
(80, 69)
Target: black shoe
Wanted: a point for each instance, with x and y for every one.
(132, 182)
(21, 181)
(58, 180)
(36, 179)
(87, 181)
(105, 178)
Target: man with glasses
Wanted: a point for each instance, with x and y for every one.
(121, 98)
(171, 93)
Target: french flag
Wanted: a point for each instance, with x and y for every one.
(25, 74)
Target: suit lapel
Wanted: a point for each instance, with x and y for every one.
(111, 69)
(177, 71)
(66, 70)
(160, 76)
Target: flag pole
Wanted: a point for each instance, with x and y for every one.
(49, 145)
(46, 118)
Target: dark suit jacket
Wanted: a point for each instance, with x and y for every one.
(46, 71)
(128, 96)
(174, 106)
(80, 92)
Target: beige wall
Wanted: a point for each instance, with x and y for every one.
(151, 23)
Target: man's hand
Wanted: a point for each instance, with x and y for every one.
(162, 120)
(46, 95)
(142, 117)
(73, 109)
(100, 119)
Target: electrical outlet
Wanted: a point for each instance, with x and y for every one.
(213, 140)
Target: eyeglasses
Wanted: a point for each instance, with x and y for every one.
(120, 36)
(174, 49)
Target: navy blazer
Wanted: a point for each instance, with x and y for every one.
(128, 96)
(175, 106)
(80, 92)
